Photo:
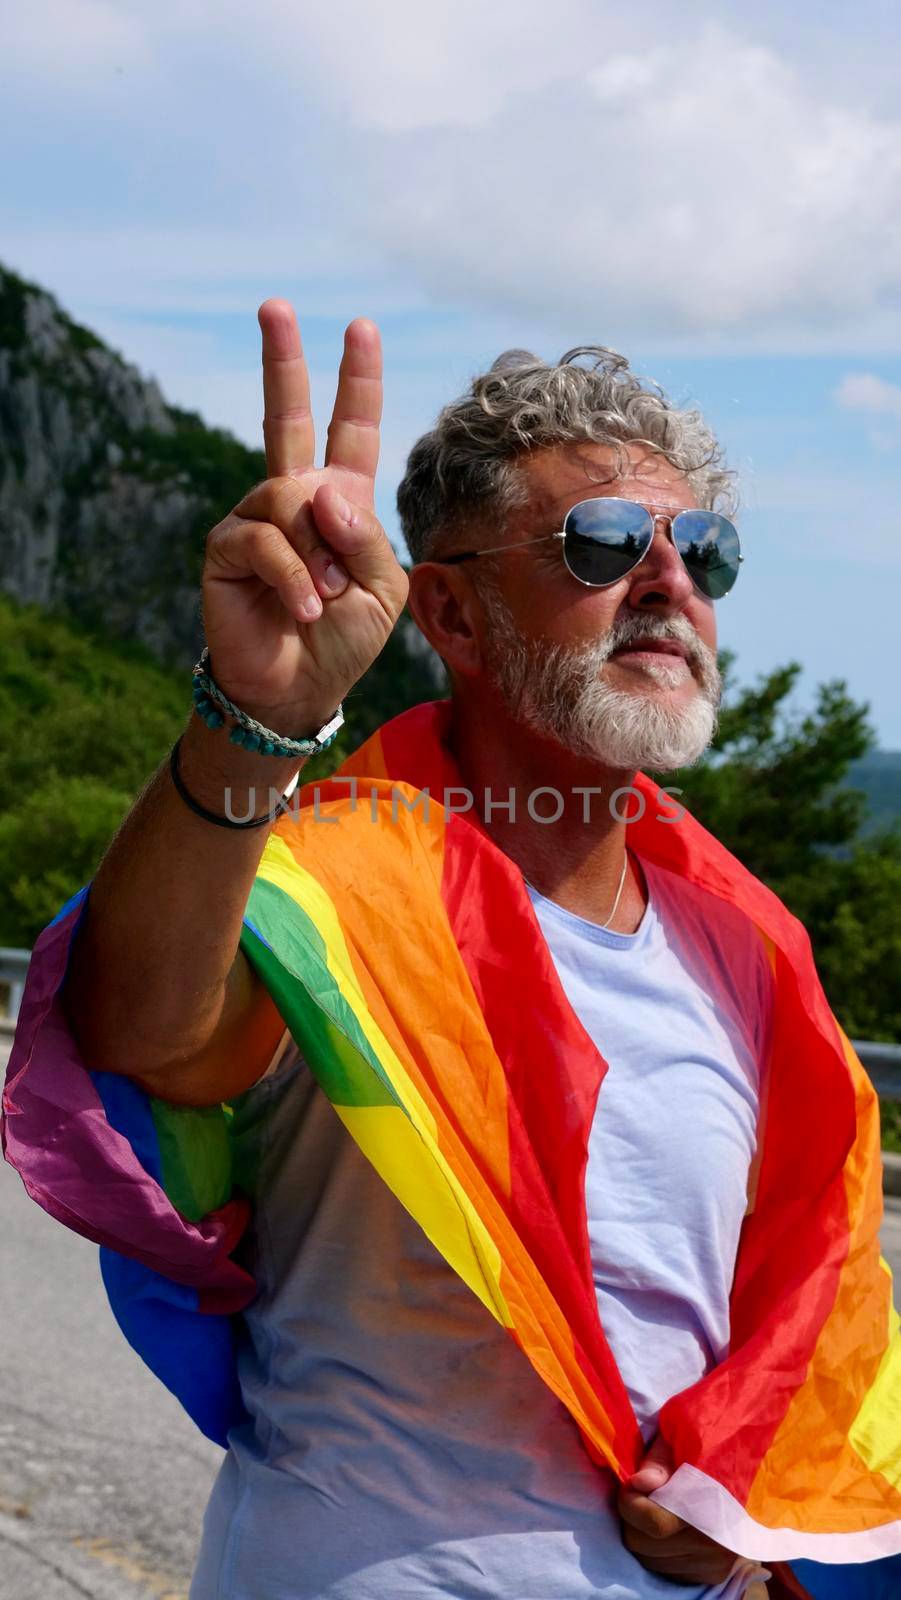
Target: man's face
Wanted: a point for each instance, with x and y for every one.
(625, 674)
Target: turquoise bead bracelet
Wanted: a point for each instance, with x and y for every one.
(210, 703)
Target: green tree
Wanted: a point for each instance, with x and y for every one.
(50, 847)
(86, 722)
(773, 789)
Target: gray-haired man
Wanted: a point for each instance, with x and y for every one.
(573, 660)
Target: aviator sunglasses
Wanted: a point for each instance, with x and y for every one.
(605, 538)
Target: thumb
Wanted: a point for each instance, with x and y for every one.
(656, 1469)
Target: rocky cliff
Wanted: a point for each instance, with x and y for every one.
(107, 492)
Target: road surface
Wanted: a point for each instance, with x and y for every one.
(103, 1479)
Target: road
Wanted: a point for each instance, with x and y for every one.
(103, 1479)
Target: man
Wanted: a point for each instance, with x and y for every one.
(397, 1441)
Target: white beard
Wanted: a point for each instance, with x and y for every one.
(560, 692)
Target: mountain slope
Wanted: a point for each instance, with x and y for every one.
(106, 492)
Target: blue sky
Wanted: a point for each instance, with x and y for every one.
(718, 198)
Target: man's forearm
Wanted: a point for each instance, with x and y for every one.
(152, 977)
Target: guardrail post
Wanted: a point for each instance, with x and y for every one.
(13, 968)
(883, 1063)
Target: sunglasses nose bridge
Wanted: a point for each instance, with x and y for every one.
(676, 573)
(665, 517)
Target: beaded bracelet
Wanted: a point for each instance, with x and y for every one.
(248, 732)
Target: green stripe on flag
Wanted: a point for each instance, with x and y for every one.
(195, 1156)
(296, 973)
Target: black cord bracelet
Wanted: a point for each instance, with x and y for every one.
(201, 811)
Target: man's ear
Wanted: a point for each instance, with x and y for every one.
(446, 608)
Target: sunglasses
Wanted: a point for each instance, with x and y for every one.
(606, 538)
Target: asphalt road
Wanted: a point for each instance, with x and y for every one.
(103, 1479)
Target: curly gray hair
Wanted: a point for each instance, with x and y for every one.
(465, 469)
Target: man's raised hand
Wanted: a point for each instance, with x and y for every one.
(301, 587)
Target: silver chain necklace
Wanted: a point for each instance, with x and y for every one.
(619, 892)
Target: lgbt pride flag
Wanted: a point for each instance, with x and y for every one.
(400, 946)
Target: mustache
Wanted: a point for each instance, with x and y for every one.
(633, 630)
(505, 639)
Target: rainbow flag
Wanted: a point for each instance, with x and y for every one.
(400, 946)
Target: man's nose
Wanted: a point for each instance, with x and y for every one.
(660, 582)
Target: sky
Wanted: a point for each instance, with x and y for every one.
(713, 193)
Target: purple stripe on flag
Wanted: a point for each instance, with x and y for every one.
(78, 1168)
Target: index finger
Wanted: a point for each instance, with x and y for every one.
(288, 420)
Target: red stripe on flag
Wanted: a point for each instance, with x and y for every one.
(553, 1073)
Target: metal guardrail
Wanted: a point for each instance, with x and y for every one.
(882, 1061)
(13, 967)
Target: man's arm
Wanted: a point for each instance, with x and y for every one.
(301, 590)
(157, 987)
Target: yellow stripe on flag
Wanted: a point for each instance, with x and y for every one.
(415, 1171)
(403, 1148)
(876, 1431)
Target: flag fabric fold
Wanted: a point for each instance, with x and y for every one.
(400, 946)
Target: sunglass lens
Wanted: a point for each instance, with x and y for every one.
(605, 539)
(709, 546)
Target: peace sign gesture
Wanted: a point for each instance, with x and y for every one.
(301, 587)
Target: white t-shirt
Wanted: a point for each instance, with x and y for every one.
(681, 1010)
(401, 1446)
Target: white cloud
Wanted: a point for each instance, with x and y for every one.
(411, 64)
(636, 176)
(624, 76)
(702, 188)
(864, 391)
(71, 41)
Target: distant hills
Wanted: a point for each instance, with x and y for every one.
(878, 775)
